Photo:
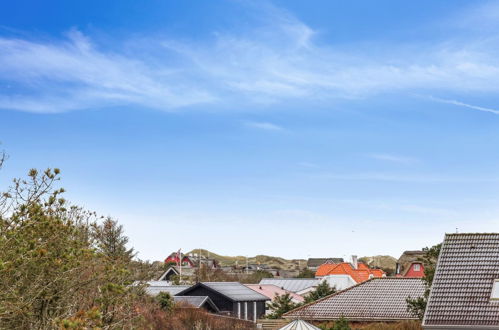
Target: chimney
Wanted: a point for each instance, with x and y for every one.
(354, 262)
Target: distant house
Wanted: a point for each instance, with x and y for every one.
(465, 290)
(415, 269)
(339, 281)
(179, 258)
(406, 260)
(358, 271)
(300, 286)
(203, 302)
(314, 263)
(231, 298)
(168, 274)
(271, 291)
(375, 300)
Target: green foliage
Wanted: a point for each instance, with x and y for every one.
(306, 273)
(53, 271)
(341, 324)
(281, 304)
(110, 240)
(322, 290)
(417, 306)
(165, 301)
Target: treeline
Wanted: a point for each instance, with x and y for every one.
(63, 267)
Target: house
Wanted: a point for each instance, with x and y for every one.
(375, 300)
(203, 302)
(179, 258)
(357, 270)
(406, 260)
(339, 281)
(465, 290)
(415, 269)
(231, 298)
(271, 291)
(153, 288)
(300, 286)
(169, 274)
(314, 263)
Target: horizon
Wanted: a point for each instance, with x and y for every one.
(268, 127)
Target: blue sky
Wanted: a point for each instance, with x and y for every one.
(243, 127)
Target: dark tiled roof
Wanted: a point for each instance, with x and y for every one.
(316, 262)
(155, 287)
(379, 299)
(196, 301)
(460, 295)
(232, 290)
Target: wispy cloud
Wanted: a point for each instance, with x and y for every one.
(279, 60)
(392, 158)
(466, 105)
(263, 125)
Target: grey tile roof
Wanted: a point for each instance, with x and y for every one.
(378, 299)
(196, 301)
(292, 284)
(155, 287)
(461, 289)
(316, 262)
(233, 290)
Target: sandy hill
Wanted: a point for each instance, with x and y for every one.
(273, 262)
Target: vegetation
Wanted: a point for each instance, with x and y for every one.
(64, 267)
(341, 324)
(280, 305)
(322, 290)
(417, 306)
(306, 273)
(386, 263)
(273, 262)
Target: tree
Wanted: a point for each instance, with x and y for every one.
(281, 304)
(306, 273)
(110, 239)
(52, 272)
(165, 301)
(417, 306)
(322, 290)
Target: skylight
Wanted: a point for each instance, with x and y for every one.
(495, 290)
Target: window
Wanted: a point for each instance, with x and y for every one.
(417, 267)
(495, 290)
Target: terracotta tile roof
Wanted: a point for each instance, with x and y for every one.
(460, 295)
(270, 291)
(361, 274)
(324, 269)
(378, 299)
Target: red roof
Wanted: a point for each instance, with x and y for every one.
(361, 274)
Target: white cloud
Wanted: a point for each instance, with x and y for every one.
(466, 105)
(263, 125)
(279, 60)
(392, 158)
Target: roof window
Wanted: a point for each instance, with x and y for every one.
(495, 290)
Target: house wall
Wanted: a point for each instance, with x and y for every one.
(413, 273)
(249, 306)
(223, 304)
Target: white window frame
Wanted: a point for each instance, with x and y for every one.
(417, 267)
